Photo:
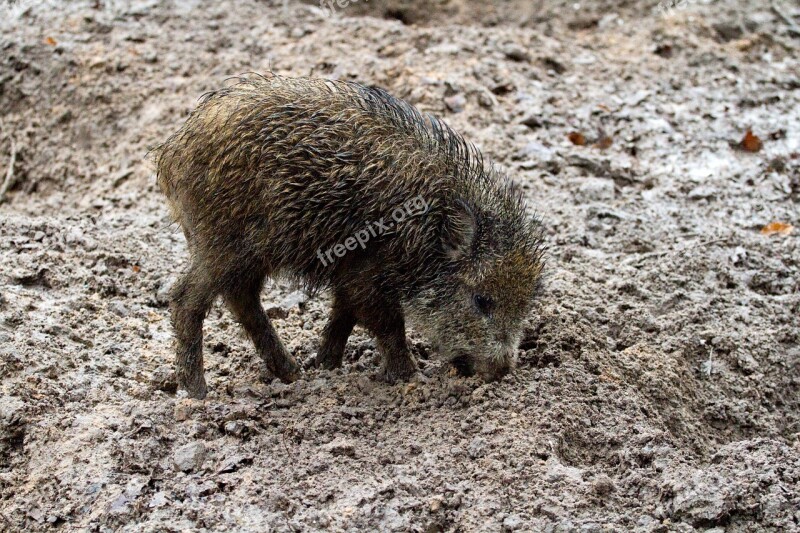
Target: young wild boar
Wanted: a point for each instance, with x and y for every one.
(275, 176)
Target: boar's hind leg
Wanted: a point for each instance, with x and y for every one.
(192, 296)
(334, 336)
(245, 303)
(385, 321)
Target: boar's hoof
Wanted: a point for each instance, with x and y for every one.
(326, 361)
(287, 370)
(195, 387)
(399, 371)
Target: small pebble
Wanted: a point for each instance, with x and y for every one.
(190, 457)
(455, 103)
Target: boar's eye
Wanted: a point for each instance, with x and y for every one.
(484, 304)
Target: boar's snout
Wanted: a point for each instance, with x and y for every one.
(488, 371)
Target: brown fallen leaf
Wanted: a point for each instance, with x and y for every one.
(777, 228)
(750, 142)
(604, 142)
(577, 138)
(50, 41)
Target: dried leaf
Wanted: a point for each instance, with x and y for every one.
(777, 228)
(50, 41)
(136, 268)
(604, 142)
(577, 138)
(750, 142)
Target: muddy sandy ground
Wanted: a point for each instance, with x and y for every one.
(658, 387)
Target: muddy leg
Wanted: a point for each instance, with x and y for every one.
(192, 296)
(334, 336)
(245, 303)
(385, 321)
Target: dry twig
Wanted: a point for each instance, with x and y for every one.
(10, 172)
(793, 29)
(637, 260)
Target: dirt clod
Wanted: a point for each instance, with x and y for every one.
(190, 457)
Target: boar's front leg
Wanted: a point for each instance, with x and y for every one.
(384, 319)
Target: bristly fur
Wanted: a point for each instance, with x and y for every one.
(269, 170)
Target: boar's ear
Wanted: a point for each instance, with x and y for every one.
(460, 230)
